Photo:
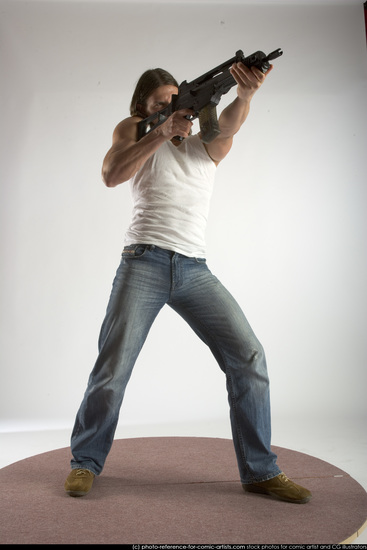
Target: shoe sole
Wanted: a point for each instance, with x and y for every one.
(77, 493)
(258, 490)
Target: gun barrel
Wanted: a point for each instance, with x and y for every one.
(217, 70)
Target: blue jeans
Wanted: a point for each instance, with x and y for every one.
(148, 278)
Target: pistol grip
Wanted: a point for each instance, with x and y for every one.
(209, 126)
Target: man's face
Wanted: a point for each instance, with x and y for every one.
(159, 99)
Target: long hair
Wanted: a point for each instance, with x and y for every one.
(147, 83)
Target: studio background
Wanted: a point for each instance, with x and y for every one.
(287, 228)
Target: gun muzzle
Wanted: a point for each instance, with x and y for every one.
(274, 54)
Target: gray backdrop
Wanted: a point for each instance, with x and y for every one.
(288, 221)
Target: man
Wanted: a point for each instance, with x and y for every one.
(163, 262)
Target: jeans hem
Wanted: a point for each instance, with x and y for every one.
(262, 478)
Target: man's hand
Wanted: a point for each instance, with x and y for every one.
(176, 125)
(248, 80)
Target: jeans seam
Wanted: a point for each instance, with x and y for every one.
(225, 370)
(238, 431)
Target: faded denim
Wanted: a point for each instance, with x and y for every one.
(148, 278)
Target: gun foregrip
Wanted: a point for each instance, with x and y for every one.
(208, 120)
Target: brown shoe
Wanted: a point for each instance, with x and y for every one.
(79, 482)
(282, 488)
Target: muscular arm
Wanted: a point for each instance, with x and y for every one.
(127, 155)
(233, 116)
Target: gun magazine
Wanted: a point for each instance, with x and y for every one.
(208, 120)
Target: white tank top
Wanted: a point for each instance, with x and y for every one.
(171, 194)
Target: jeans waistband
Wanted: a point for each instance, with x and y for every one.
(170, 253)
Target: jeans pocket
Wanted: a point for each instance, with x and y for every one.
(134, 250)
(200, 260)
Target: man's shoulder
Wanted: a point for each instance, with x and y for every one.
(127, 123)
(126, 128)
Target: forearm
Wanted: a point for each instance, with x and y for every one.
(230, 121)
(233, 116)
(123, 161)
(127, 154)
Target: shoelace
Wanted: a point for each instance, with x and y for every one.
(82, 473)
(283, 477)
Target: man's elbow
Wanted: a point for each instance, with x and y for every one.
(108, 183)
(108, 180)
(113, 174)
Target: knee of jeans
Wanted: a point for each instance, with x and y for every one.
(256, 354)
(254, 359)
(251, 369)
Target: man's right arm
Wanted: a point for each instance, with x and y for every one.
(127, 155)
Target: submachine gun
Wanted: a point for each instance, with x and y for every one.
(203, 94)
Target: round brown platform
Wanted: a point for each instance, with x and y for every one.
(175, 490)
